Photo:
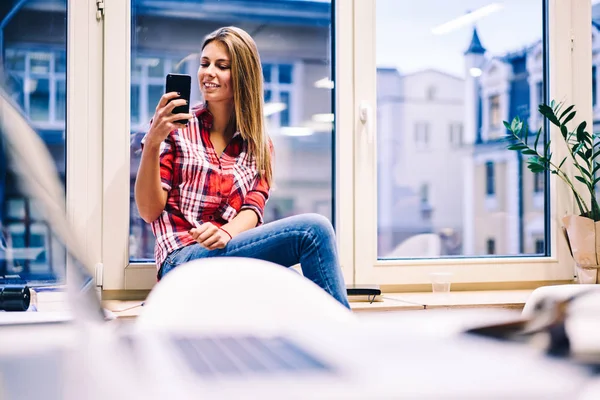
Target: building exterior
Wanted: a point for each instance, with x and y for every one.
(506, 202)
(421, 152)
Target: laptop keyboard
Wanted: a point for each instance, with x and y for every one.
(211, 356)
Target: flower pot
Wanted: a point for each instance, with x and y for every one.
(583, 237)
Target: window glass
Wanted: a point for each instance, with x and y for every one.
(294, 41)
(440, 120)
(135, 104)
(39, 99)
(495, 116)
(490, 187)
(33, 72)
(285, 73)
(61, 100)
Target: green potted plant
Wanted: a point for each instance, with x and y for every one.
(583, 149)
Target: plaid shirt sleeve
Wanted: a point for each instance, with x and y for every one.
(256, 198)
(166, 162)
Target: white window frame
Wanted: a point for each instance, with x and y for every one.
(356, 173)
(84, 126)
(118, 273)
(570, 80)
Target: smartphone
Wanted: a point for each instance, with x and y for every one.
(182, 84)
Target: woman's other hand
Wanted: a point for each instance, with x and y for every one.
(210, 236)
(164, 121)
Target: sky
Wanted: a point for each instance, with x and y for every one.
(405, 40)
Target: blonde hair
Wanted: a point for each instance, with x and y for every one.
(247, 83)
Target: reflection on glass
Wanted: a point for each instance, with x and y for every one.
(293, 39)
(446, 184)
(39, 99)
(61, 100)
(135, 104)
(285, 73)
(155, 92)
(33, 72)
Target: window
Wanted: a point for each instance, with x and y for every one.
(294, 42)
(490, 182)
(538, 182)
(37, 79)
(456, 134)
(431, 91)
(480, 193)
(424, 193)
(594, 89)
(34, 73)
(421, 134)
(279, 87)
(377, 172)
(491, 246)
(148, 84)
(495, 115)
(539, 246)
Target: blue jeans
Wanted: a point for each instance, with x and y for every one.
(307, 239)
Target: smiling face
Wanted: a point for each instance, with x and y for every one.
(214, 74)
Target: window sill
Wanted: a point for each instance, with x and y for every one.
(513, 299)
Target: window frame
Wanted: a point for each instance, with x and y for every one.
(569, 40)
(82, 124)
(118, 272)
(84, 129)
(354, 74)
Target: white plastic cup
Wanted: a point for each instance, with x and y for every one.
(440, 281)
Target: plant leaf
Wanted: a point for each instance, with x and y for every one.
(548, 113)
(516, 146)
(569, 117)
(581, 128)
(537, 138)
(562, 162)
(566, 111)
(586, 173)
(546, 152)
(582, 180)
(577, 148)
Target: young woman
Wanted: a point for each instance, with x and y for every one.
(203, 186)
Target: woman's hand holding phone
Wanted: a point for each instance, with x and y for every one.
(164, 120)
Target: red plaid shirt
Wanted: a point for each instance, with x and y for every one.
(203, 187)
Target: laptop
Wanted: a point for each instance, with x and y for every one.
(379, 357)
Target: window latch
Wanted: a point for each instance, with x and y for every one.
(99, 9)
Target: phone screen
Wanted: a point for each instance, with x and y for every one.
(182, 84)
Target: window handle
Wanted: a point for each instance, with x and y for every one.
(366, 117)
